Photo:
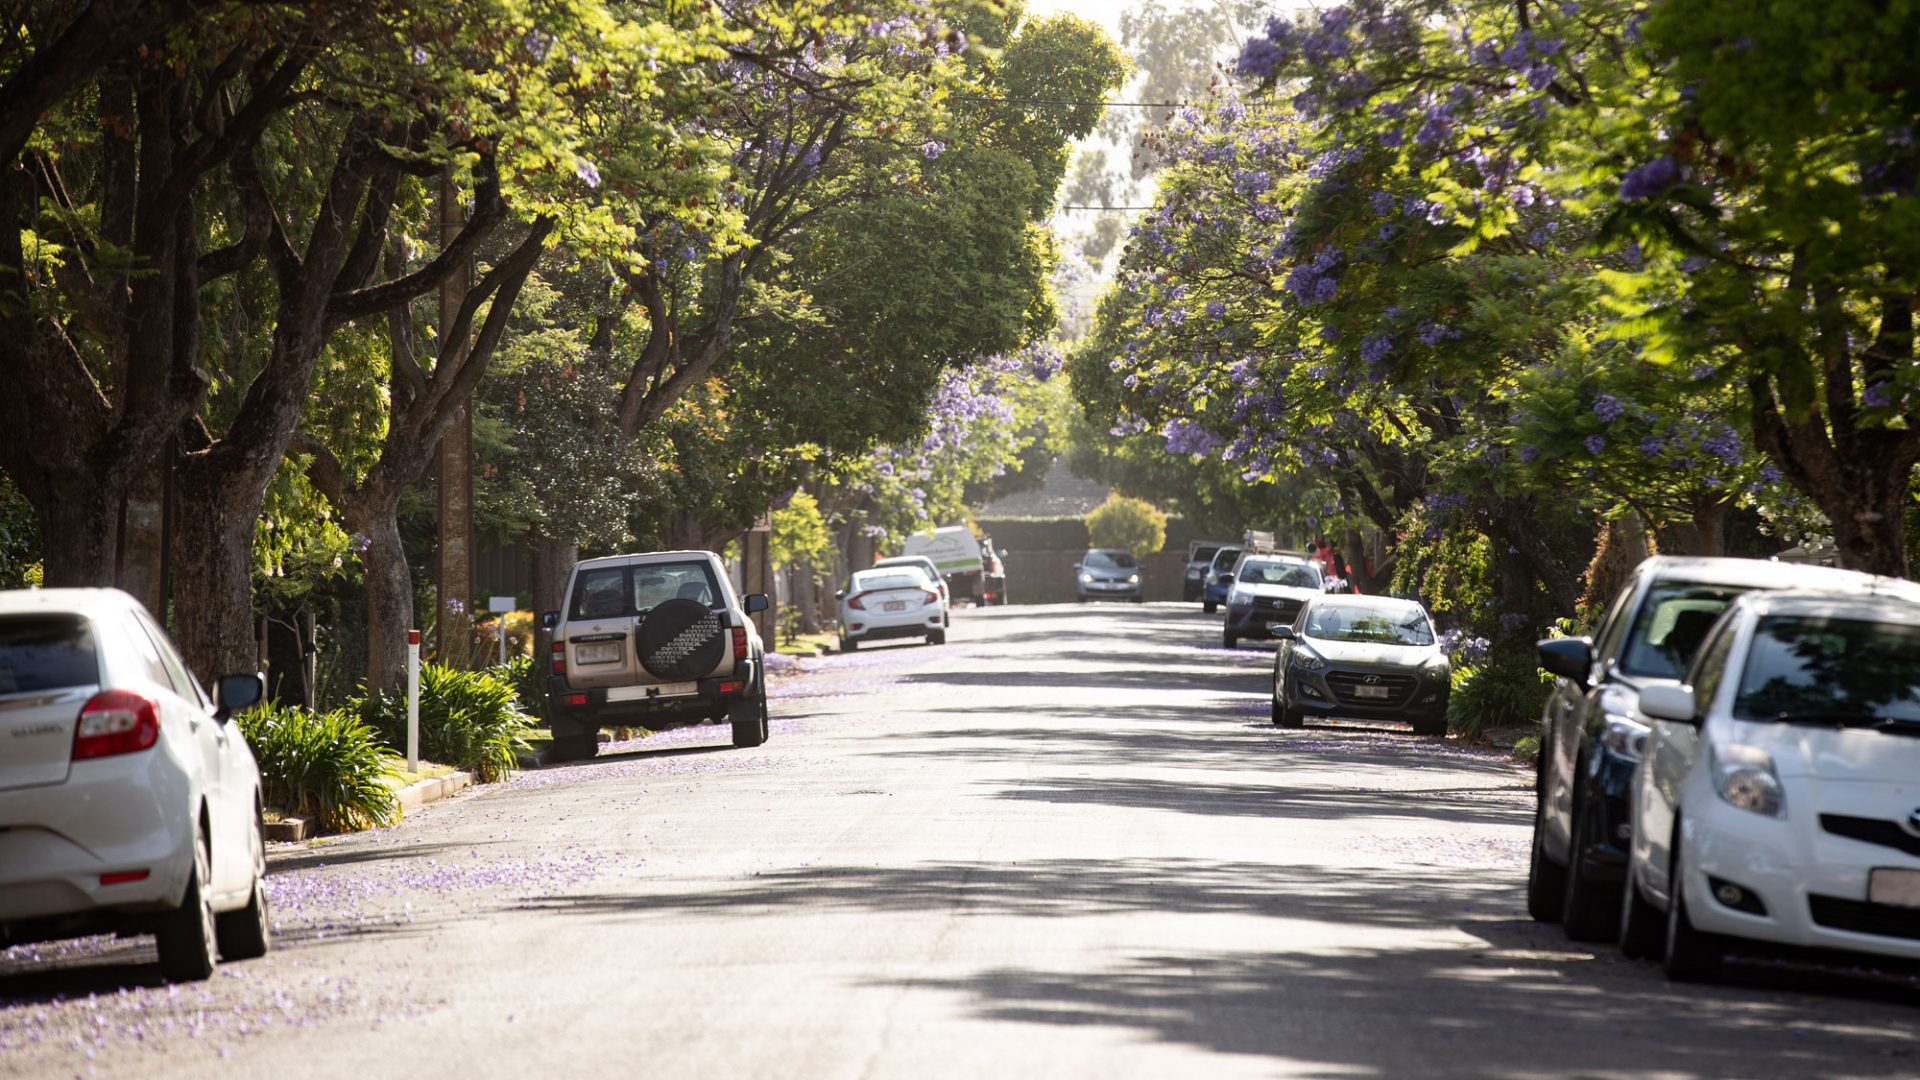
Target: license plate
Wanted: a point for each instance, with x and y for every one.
(1370, 691)
(607, 652)
(639, 693)
(894, 605)
(1901, 888)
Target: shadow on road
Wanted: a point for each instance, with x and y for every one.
(1079, 887)
(1452, 1015)
(1492, 804)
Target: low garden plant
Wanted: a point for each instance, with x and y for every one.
(471, 719)
(327, 766)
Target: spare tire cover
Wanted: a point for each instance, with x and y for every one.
(680, 640)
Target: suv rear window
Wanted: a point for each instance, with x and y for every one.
(46, 652)
(612, 592)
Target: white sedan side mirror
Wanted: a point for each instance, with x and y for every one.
(1675, 703)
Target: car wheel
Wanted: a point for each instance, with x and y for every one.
(579, 747)
(749, 716)
(1546, 879)
(1286, 716)
(1642, 935)
(1692, 956)
(246, 934)
(1586, 911)
(849, 645)
(186, 937)
(1230, 639)
(1431, 725)
(1209, 607)
(938, 637)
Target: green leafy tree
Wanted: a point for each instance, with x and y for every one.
(1129, 524)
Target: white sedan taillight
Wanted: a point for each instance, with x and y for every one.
(931, 596)
(115, 722)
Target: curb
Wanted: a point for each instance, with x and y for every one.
(412, 797)
(432, 789)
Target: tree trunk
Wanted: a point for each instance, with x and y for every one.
(213, 557)
(1622, 546)
(1704, 535)
(80, 529)
(1869, 525)
(804, 600)
(552, 561)
(389, 591)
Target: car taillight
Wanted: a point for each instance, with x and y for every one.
(854, 602)
(931, 596)
(115, 722)
(559, 658)
(739, 643)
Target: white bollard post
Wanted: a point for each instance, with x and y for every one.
(413, 701)
(501, 606)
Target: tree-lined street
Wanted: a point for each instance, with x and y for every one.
(1067, 843)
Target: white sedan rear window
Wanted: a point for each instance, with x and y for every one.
(46, 652)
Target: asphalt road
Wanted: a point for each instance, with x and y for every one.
(1068, 843)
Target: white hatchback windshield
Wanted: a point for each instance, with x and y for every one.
(1824, 670)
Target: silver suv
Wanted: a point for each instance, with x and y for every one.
(651, 638)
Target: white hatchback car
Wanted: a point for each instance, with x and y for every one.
(1779, 798)
(128, 804)
(890, 602)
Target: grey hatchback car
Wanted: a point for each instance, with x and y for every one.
(1361, 656)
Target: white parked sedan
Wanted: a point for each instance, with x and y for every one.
(128, 803)
(1779, 797)
(890, 602)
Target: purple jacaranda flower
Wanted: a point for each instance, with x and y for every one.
(1770, 474)
(1375, 348)
(588, 174)
(1216, 310)
(1259, 58)
(1875, 396)
(1608, 408)
(1651, 446)
(1594, 443)
(932, 148)
(1651, 178)
(1529, 453)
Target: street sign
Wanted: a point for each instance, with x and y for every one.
(500, 605)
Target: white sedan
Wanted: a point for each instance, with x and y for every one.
(128, 803)
(1779, 797)
(890, 602)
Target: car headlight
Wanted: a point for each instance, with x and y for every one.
(1624, 736)
(1306, 661)
(1192, 573)
(1745, 778)
(1234, 596)
(1438, 667)
(1086, 578)
(1133, 579)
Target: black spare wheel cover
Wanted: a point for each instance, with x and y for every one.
(681, 640)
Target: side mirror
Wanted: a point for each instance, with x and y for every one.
(1077, 566)
(549, 620)
(1282, 632)
(1663, 701)
(1224, 579)
(1569, 658)
(840, 594)
(236, 693)
(756, 603)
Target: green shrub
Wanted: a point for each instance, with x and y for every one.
(328, 766)
(529, 681)
(1129, 524)
(1509, 688)
(468, 719)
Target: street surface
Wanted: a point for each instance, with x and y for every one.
(1066, 844)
